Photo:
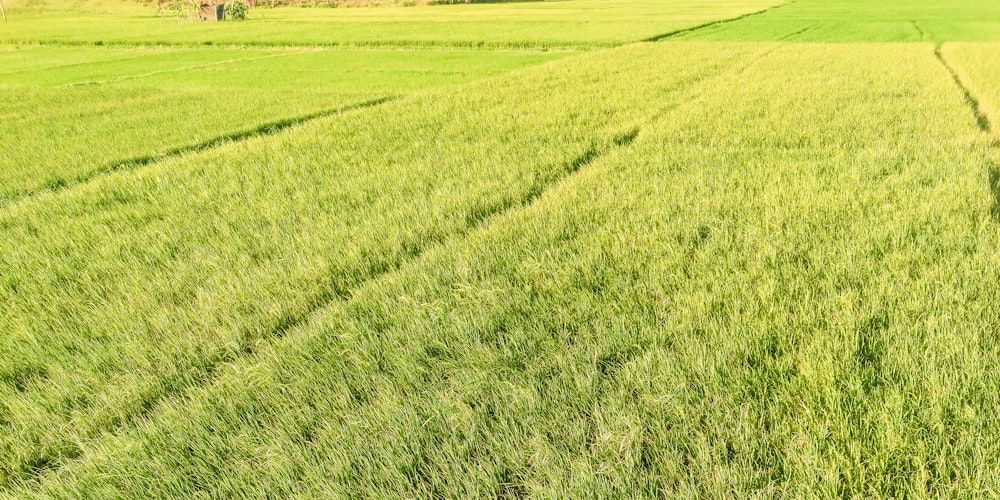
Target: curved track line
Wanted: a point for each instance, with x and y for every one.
(671, 34)
(138, 162)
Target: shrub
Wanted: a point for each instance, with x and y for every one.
(237, 10)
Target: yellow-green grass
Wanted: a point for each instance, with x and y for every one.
(784, 287)
(555, 24)
(977, 66)
(125, 290)
(82, 6)
(681, 269)
(89, 111)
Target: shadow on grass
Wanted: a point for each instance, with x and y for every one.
(994, 180)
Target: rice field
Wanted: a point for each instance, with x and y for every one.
(601, 249)
(157, 102)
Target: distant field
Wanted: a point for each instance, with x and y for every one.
(544, 249)
(559, 24)
(977, 66)
(865, 21)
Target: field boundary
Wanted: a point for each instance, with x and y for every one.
(372, 44)
(138, 162)
(671, 34)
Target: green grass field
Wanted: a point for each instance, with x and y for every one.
(574, 249)
(157, 102)
(530, 24)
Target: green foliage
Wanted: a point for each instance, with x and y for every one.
(236, 10)
(179, 10)
(173, 9)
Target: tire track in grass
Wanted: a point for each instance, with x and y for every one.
(608, 365)
(479, 217)
(671, 34)
(985, 125)
(138, 162)
(796, 33)
(118, 60)
(486, 46)
(68, 65)
(50, 463)
(206, 373)
(474, 220)
(920, 32)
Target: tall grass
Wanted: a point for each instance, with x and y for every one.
(784, 287)
(70, 114)
(533, 25)
(123, 291)
(676, 269)
(976, 66)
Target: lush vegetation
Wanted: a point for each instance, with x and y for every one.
(144, 104)
(682, 268)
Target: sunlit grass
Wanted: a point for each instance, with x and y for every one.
(81, 115)
(677, 269)
(134, 286)
(553, 24)
(733, 303)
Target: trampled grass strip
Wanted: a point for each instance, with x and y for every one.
(49, 133)
(91, 67)
(671, 34)
(973, 67)
(920, 31)
(179, 70)
(142, 161)
(793, 35)
(732, 303)
(536, 25)
(970, 98)
(213, 250)
(36, 63)
(48, 464)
